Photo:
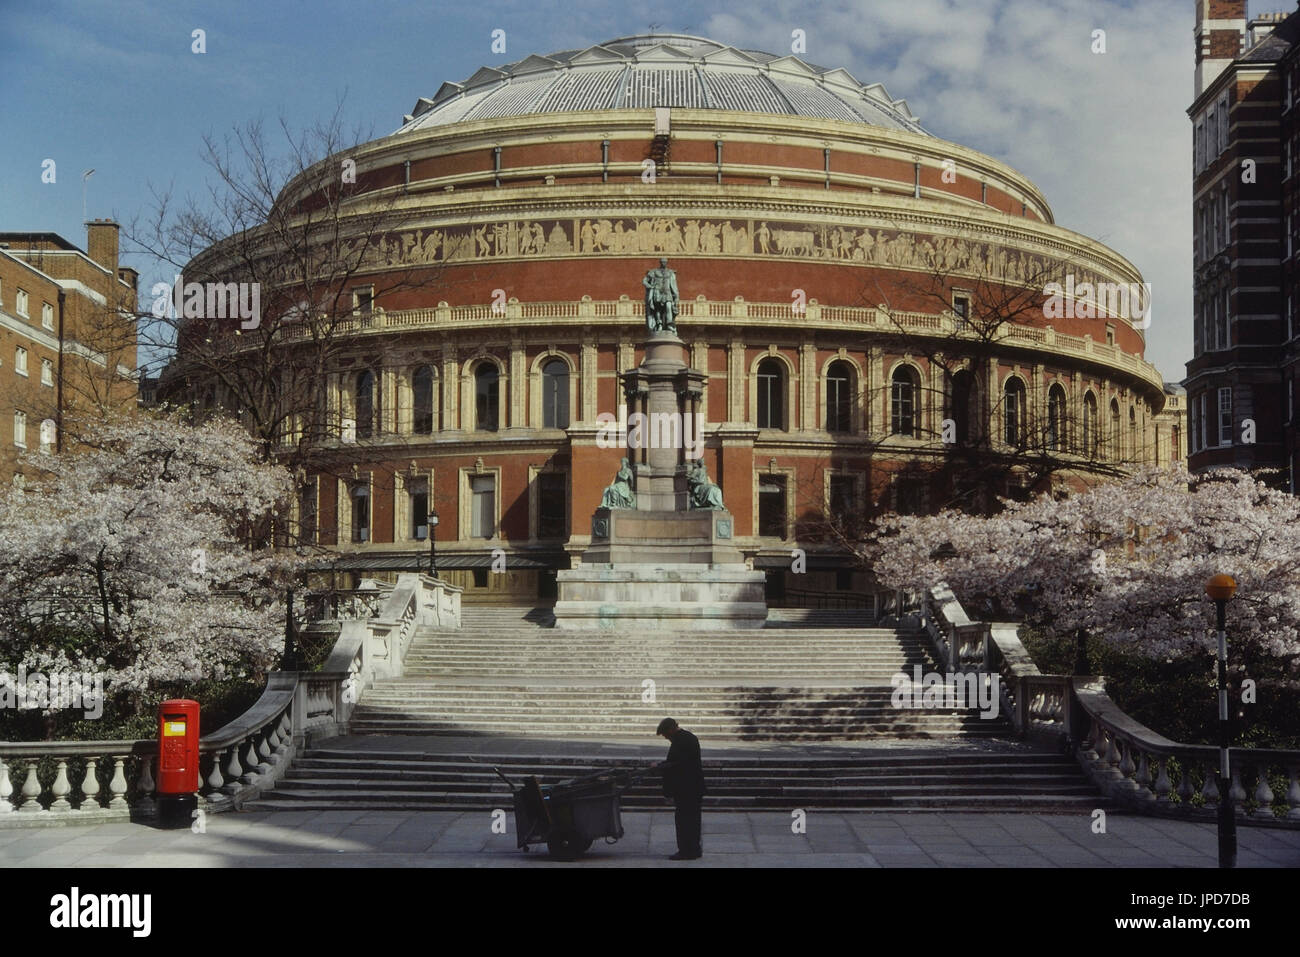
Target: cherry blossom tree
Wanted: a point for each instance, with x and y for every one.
(1124, 562)
(135, 555)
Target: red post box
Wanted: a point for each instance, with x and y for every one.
(178, 747)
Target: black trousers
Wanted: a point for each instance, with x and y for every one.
(686, 814)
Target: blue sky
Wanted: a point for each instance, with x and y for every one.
(115, 86)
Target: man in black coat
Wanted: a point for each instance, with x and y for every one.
(684, 785)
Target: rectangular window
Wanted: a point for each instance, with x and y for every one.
(1225, 416)
(20, 429)
(47, 315)
(1223, 340)
(419, 496)
(961, 307)
(1203, 439)
(551, 501)
(908, 496)
(307, 513)
(771, 506)
(48, 436)
(1227, 233)
(841, 496)
(361, 512)
(363, 299)
(483, 505)
(20, 304)
(20, 360)
(47, 372)
(1194, 420)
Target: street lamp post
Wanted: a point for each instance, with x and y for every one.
(433, 528)
(1221, 588)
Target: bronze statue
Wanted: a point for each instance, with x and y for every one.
(661, 299)
(620, 494)
(703, 493)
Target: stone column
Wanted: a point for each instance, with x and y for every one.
(872, 392)
(518, 386)
(737, 381)
(587, 371)
(450, 388)
(807, 387)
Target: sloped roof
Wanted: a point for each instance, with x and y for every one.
(640, 72)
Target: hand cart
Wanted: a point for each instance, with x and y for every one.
(570, 815)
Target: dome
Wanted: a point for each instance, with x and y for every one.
(674, 70)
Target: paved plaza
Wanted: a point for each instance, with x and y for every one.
(731, 839)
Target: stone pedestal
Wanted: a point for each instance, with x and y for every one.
(643, 597)
(662, 565)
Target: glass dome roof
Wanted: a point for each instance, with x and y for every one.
(675, 70)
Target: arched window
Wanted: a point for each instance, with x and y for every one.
(904, 409)
(1013, 411)
(1132, 433)
(771, 392)
(1056, 417)
(1090, 436)
(839, 397)
(555, 394)
(422, 401)
(960, 393)
(1114, 431)
(487, 396)
(366, 404)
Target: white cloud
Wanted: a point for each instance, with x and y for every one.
(1104, 136)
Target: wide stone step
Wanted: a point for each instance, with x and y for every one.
(762, 762)
(812, 789)
(765, 733)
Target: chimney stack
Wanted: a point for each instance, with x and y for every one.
(101, 243)
(1220, 38)
(1262, 26)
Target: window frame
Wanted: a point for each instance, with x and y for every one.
(904, 404)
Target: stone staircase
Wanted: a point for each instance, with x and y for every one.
(951, 778)
(810, 682)
(794, 715)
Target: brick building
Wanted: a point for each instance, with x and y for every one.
(827, 248)
(67, 336)
(1241, 381)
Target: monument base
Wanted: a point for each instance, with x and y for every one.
(660, 597)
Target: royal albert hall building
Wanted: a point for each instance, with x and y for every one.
(801, 210)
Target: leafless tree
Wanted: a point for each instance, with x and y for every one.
(322, 244)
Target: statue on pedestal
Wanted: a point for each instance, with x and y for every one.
(703, 493)
(661, 299)
(620, 494)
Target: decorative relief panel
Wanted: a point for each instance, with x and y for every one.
(524, 239)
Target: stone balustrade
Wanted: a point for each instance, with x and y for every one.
(86, 782)
(1128, 762)
(1134, 765)
(738, 311)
